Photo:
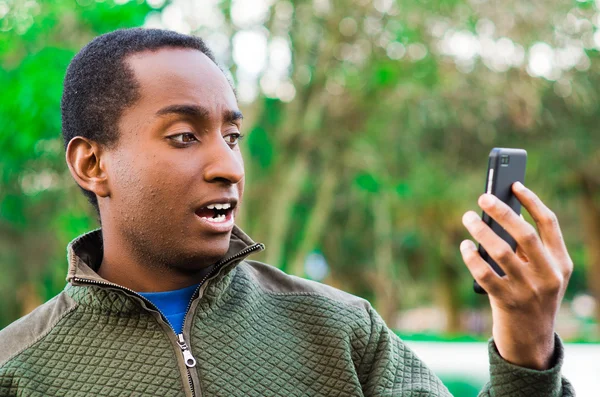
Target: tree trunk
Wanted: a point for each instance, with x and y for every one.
(449, 280)
(280, 214)
(315, 225)
(386, 293)
(449, 297)
(590, 219)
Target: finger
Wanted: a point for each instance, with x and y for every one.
(485, 276)
(522, 255)
(524, 234)
(497, 248)
(545, 219)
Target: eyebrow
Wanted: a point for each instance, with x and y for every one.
(233, 115)
(199, 112)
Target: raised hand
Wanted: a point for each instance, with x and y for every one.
(526, 300)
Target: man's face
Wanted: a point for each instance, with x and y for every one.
(176, 157)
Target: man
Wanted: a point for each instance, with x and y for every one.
(163, 300)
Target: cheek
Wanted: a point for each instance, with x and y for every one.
(148, 179)
(241, 184)
(240, 187)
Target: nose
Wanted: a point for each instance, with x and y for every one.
(224, 164)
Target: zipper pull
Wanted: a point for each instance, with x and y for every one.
(189, 360)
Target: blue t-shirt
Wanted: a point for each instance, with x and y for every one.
(172, 304)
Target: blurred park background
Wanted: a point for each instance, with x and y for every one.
(368, 124)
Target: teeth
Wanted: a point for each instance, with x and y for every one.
(217, 219)
(218, 206)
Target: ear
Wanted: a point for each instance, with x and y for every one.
(87, 166)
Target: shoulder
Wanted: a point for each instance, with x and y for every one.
(276, 282)
(26, 331)
(319, 309)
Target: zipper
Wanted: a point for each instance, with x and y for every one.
(187, 354)
(190, 361)
(188, 358)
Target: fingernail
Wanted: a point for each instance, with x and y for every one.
(470, 217)
(466, 246)
(518, 186)
(487, 200)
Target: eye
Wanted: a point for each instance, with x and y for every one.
(233, 139)
(186, 137)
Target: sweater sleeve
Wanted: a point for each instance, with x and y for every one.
(507, 379)
(390, 368)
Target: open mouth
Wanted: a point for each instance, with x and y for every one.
(216, 213)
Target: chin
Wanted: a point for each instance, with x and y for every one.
(210, 251)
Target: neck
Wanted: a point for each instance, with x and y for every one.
(123, 266)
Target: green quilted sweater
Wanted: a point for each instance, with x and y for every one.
(251, 330)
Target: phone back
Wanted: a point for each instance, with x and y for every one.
(505, 167)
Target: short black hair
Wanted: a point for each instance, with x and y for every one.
(99, 85)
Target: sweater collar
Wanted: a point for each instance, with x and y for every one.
(85, 253)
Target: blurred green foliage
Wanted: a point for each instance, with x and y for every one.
(40, 211)
(372, 160)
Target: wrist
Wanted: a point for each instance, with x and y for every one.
(528, 350)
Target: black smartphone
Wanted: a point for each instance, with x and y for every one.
(505, 167)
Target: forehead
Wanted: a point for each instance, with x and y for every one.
(173, 75)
